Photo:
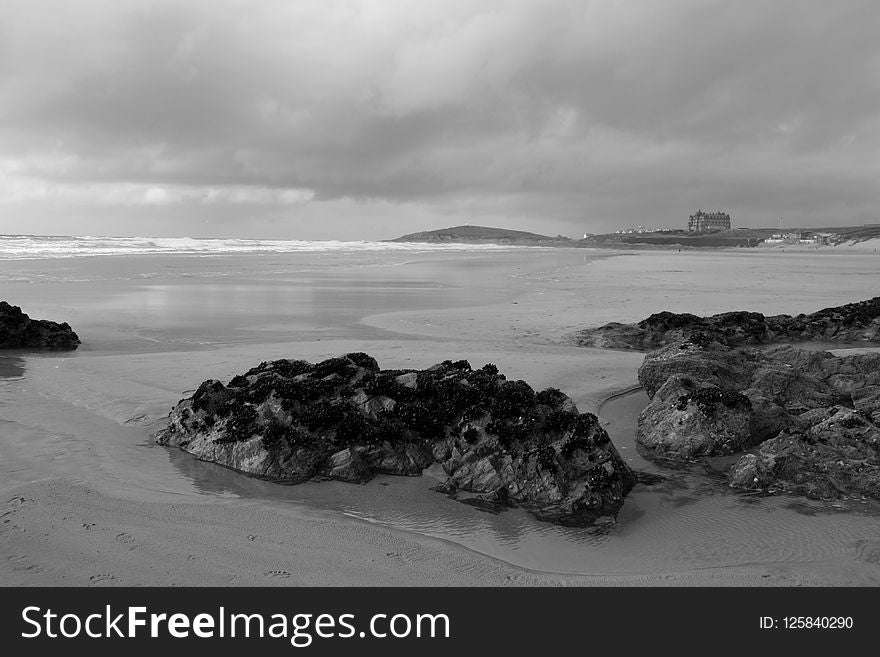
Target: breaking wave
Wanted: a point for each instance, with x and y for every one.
(25, 247)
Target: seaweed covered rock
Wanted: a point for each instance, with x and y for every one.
(346, 419)
(867, 401)
(767, 418)
(753, 472)
(18, 331)
(831, 455)
(708, 363)
(851, 323)
(813, 414)
(686, 419)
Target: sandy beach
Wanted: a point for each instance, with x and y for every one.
(88, 499)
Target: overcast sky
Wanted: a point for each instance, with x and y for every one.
(366, 119)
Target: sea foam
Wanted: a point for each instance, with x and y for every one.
(25, 247)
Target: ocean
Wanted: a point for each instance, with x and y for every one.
(24, 247)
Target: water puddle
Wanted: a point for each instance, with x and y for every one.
(684, 521)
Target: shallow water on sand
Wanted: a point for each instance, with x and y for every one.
(88, 416)
(685, 523)
(688, 522)
(159, 303)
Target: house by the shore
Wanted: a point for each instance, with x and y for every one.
(706, 222)
(800, 237)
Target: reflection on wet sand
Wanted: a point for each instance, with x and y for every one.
(11, 366)
(683, 521)
(403, 502)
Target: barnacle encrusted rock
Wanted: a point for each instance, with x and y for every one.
(346, 419)
(812, 415)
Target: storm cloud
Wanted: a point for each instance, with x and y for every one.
(366, 119)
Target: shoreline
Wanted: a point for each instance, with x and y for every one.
(383, 556)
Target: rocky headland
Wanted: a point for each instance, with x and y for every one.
(854, 323)
(496, 440)
(18, 331)
(484, 235)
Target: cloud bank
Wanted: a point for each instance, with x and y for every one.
(368, 118)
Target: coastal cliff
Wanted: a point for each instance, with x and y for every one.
(344, 418)
(18, 331)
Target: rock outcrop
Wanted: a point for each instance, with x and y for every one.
(18, 331)
(345, 419)
(854, 323)
(832, 454)
(689, 419)
(814, 415)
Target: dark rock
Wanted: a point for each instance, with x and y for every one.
(814, 415)
(346, 419)
(767, 417)
(867, 402)
(794, 390)
(836, 454)
(18, 331)
(852, 324)
(686, 419)
(409, 459)
(347, 465)
(753, 472)
(844, 375)
(712, 364)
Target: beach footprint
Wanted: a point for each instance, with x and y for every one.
(24, 563)
(406, 556)
(274, 574)
(102, 578)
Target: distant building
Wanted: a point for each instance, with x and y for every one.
(643, 229)
(800, 237)
(704, 222)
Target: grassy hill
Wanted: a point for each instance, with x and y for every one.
(742, 237)
(727, 238)
(480, 234)
(858, 233)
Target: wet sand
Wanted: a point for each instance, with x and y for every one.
(88, 499)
